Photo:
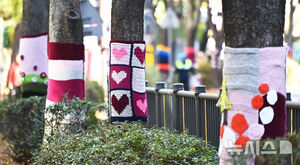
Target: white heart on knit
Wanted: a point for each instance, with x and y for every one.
(118, 77)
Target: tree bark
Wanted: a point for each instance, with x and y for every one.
(65, 22)
(253, 23)
(192, 21)
(289, 36)
(127, 20)
(35, 17)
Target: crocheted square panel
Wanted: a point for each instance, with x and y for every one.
(127, 95)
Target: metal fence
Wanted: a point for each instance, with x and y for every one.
(196, 111)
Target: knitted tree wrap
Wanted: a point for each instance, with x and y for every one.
(34, 63)
(66, 71)
(127, 91)
(254, 115)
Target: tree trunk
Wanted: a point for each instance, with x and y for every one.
(192, 22)
(65, 22)
(127, 91)
(289, 36)
(66, 59)
(33, 47)
(35, 17)
(254, 58)
(127, 20)
(253, 23)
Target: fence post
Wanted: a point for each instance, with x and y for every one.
(175, 110)
(288, 96)
(199, 89)
(146, 83)
(158, 86)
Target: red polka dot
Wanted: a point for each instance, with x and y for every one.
(241, 142)
(257, 102)
(22, 57)
(222, 131)
(43, 75)
(22, 74)
(263, 88)
(35, 67)
(239, 123)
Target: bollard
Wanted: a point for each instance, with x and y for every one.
(288, 96)
(146, 83)
(199, 89)
(158, 86)
(176, 109)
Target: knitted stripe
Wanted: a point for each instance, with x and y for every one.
(34, 63)
(127, 95)
(66, 69)
(66, 51)
(66, 72)
(236, 64)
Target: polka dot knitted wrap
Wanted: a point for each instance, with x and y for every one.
(255, 83)
(34, 64)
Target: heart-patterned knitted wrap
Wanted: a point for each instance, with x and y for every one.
(34, 64)
(66, 71)
(127, 90)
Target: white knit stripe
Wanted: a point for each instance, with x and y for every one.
(66, 69)
(49, 103)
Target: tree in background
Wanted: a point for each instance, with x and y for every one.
(33, 47)
(127, 92)
(254, 74)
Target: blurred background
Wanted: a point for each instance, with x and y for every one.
(184, 38)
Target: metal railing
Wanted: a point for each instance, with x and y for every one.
(196, 111)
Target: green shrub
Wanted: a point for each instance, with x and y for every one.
(22, 124)
(94, 92)
(124, 143)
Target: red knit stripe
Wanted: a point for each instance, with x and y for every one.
(127, 42)
(33, 36)
(65, 51)
(56, 89)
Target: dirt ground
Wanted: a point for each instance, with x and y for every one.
(5, 159)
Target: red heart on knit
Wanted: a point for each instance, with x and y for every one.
(140, 54)
(222, 131)
(119, 53)
(120, 104)
(239, 123)
(241, 142)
